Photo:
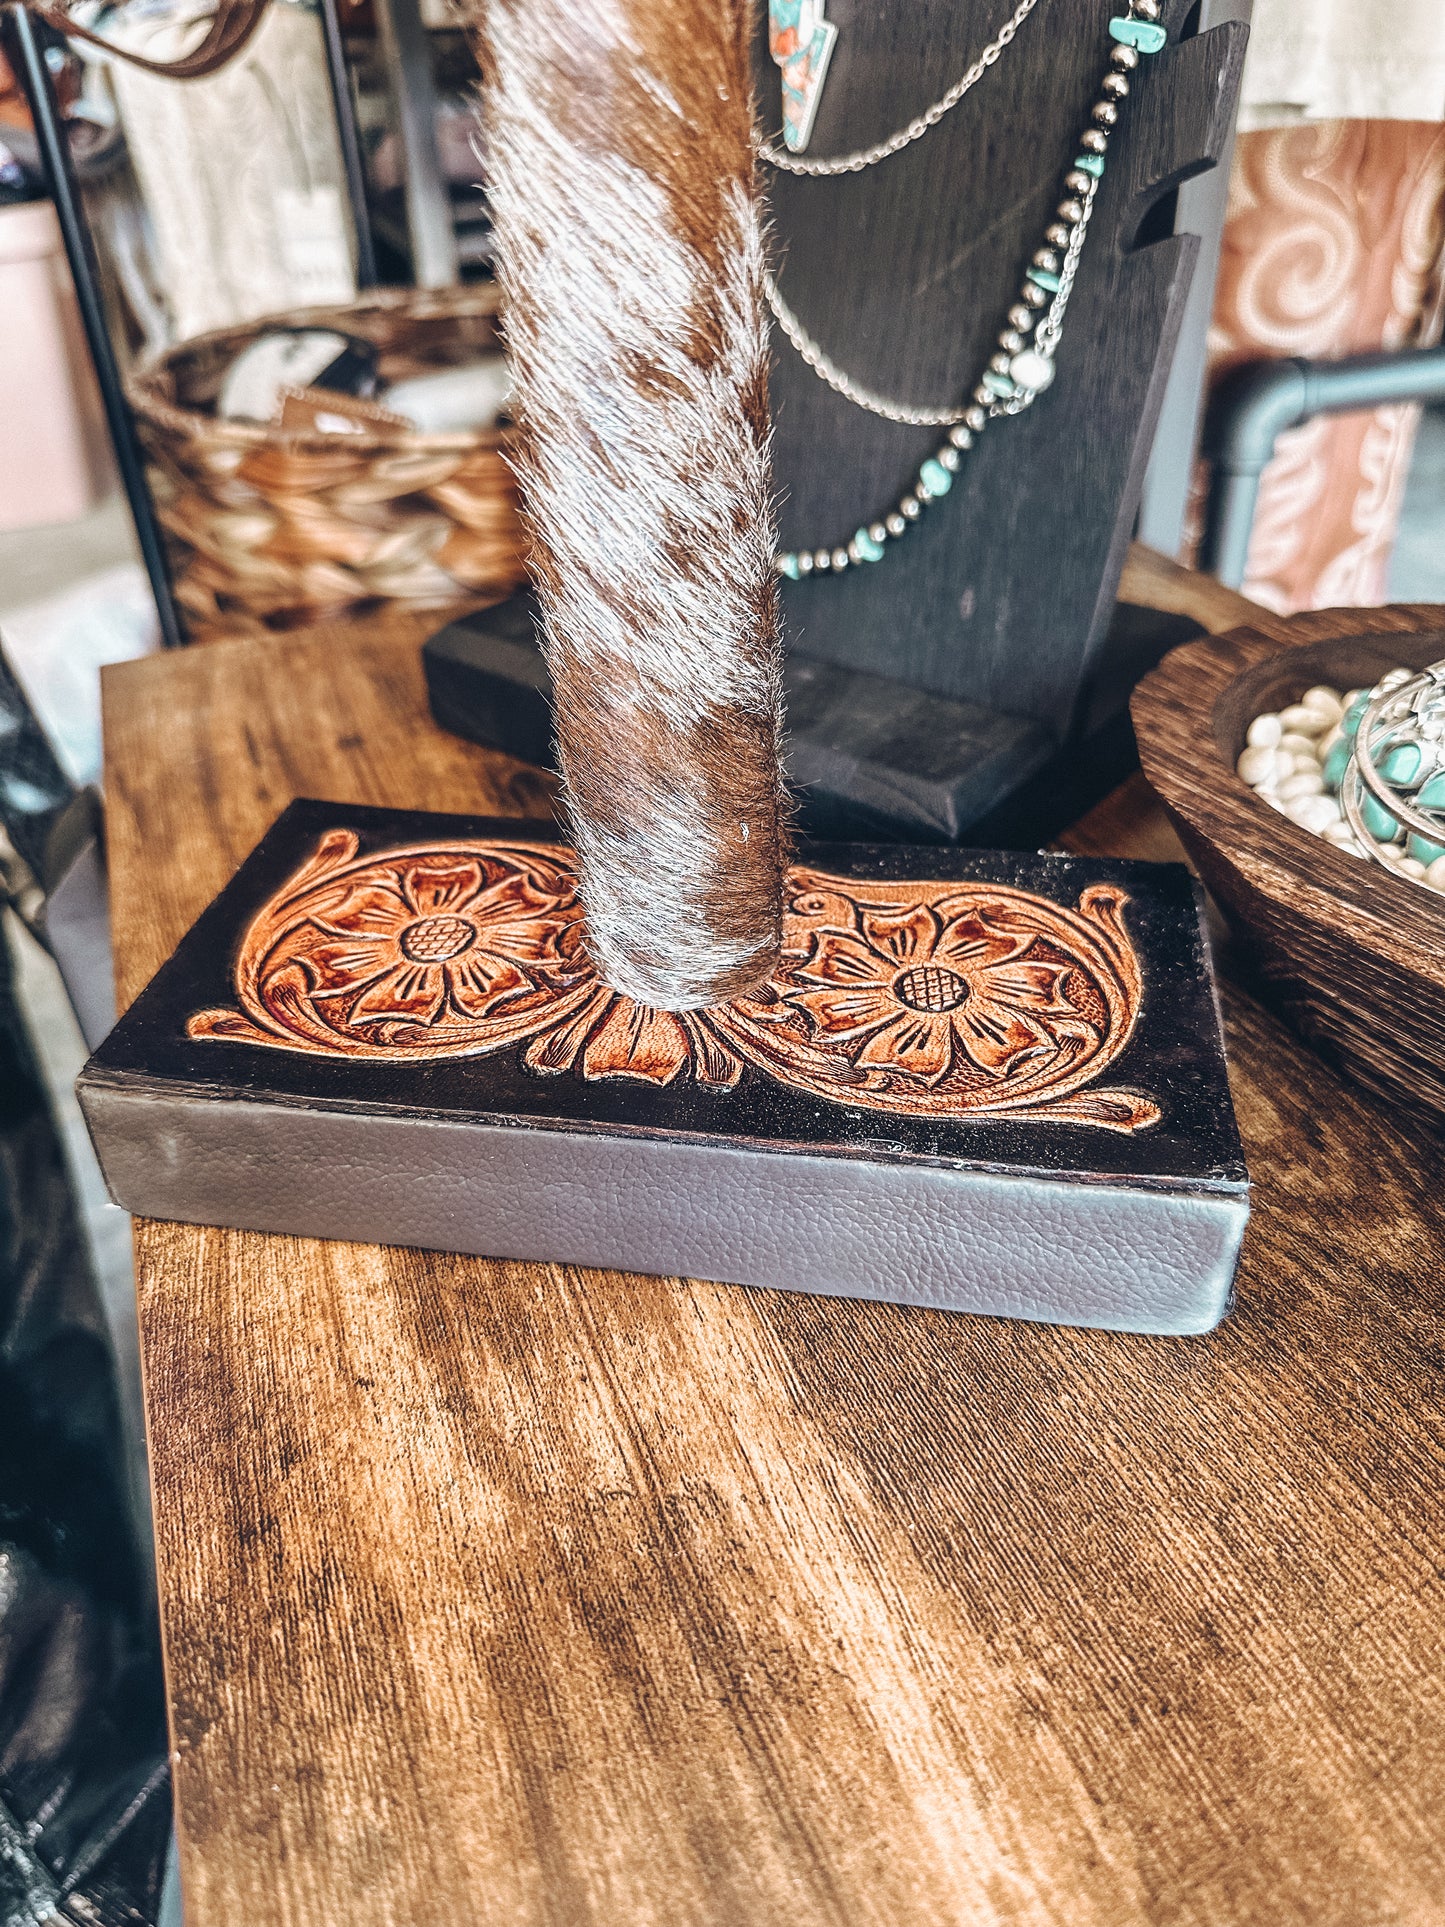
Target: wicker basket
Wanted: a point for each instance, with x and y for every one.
(269, 530)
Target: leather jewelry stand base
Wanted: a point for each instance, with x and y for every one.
(978, 1081)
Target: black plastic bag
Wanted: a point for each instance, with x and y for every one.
(85, 1805)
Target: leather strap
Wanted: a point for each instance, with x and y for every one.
(231, 26)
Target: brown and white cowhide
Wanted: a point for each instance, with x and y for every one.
(619, 137)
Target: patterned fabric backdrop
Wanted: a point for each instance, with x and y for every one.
(1332, 246)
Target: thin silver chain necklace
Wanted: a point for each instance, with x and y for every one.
(1021, 368)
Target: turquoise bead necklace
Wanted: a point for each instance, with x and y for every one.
(1023, 365)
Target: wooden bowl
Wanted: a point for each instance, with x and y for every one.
(1354, 957)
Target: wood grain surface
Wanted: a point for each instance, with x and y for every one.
(515, 1594)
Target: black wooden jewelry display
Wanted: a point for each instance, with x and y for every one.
(974, 681)
(903, 273)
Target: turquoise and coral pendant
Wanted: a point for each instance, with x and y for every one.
(801, 42)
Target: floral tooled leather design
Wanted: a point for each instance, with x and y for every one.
(943, 1000)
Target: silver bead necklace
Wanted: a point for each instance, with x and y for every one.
(1022, 367)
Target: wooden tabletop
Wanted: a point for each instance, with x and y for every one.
(519, 1594)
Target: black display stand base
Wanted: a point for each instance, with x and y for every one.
(984, 1083)
(867, 756)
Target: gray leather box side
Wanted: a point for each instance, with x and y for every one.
(1122, 1257)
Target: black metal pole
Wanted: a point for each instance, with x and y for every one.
(85, 272)
(337, 74)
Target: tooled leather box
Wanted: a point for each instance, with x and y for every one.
(979, 1081)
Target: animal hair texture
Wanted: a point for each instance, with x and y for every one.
(629, 242)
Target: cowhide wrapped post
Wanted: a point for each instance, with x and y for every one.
(629, 244)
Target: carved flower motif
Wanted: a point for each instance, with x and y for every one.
(611, 1036)
(920, 989)
(961, 999)
(430, 942)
